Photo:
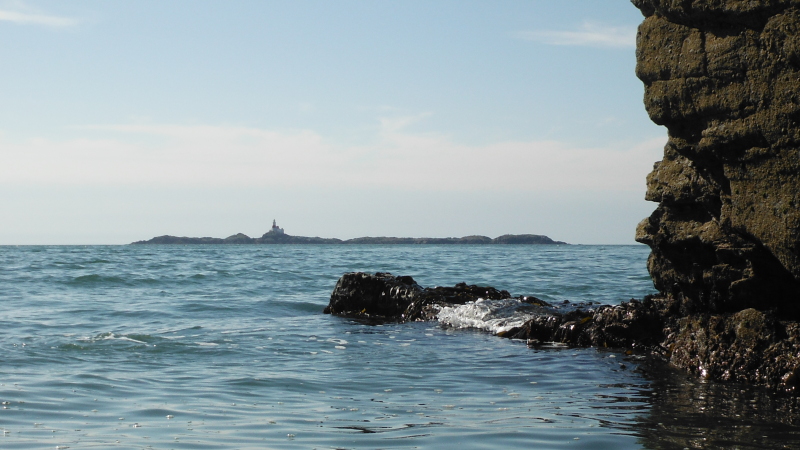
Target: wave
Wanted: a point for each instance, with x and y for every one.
(135, 338)
(495, 316)
(94, 280)
(97, 261)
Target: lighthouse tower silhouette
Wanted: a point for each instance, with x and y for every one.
(275, 228)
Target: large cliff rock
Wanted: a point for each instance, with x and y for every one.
(724, 77)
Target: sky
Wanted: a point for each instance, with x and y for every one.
(125, 120)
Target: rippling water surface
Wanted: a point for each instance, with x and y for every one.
(206, 347)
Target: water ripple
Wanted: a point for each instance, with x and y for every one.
(226, 347)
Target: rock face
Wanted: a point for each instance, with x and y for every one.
(724, 77)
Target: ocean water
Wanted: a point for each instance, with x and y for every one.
(218, 347)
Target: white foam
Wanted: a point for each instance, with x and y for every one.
(495, 316)
(109, 337)
(126, 338)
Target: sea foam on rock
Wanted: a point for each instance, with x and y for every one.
(495, 316)
(385, 297)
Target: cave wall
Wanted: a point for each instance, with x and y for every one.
(723, 76)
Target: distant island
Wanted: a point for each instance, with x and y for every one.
(277, 236)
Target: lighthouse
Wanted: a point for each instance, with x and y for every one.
(275, 228)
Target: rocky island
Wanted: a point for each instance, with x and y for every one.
(723, 76)
(525, 239)
(276, 235)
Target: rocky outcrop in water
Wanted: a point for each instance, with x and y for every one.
(724, 77)
(239, 238)
(748, 346)
(282, 238)
(384, 297)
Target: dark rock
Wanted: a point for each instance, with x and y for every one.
(384, 297)
(567, 328)
(372, 296)
(528, 239)
(173, 240)
(271, 237)
(239, 238)
(633, 324)
(525, 239)
(383, 240)
(723, 77)
(749, 346)
(476, 239)
(427, 305)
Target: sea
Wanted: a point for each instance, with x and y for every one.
(226, 347)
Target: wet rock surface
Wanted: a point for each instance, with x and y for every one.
(379, 296)
(385, 297)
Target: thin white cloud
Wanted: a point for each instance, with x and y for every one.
(36, 19)
(589, 35)
(239, 156)
(393, 124)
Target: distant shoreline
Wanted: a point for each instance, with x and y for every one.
(272, 238)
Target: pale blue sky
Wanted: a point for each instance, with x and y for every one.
(124, 120)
